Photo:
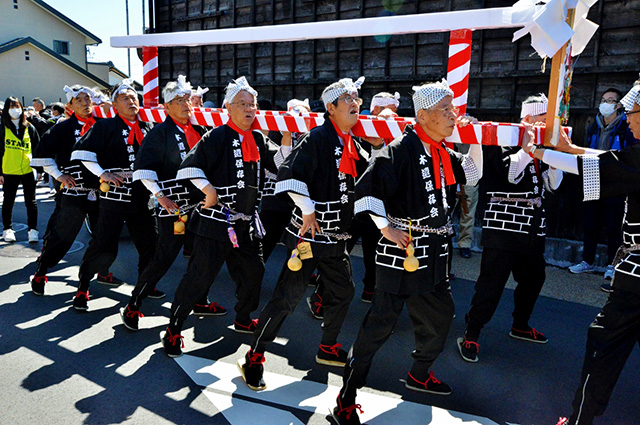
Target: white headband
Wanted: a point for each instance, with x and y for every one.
(346, 85)
(126, 85)
(429, 95)
(384, 101)
(72, 94)
(631, 98)
(99, 98)
(183, 88)
(535, 108)
(235, 87)
(295, 102)
(199, 91)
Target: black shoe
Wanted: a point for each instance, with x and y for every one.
(468, 350)
(109, 279)
(80, 301)
(211, 309)
(431, 385)
(366, 296)
(315, 306)
(156, 295)
(606, 287)
(37, 284)
(346, 415)
(465, 252)
(252, 370)
(130, 318)
(531, 336)
(172, 344)
(245, 328)
(331, 355)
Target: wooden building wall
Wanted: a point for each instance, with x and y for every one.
(502, 73)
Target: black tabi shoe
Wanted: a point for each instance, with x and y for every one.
(252, 370)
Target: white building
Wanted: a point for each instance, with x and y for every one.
(41, 50)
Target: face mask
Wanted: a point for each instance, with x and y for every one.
(607, 109)
(15, 113)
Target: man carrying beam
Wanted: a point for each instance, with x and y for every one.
(513, 236)
(156, 166)
(616, 329)
(319, 176)
(404, 192)
(227, 165)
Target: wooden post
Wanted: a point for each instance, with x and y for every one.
(556, 85)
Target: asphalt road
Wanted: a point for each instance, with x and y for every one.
(59, 366)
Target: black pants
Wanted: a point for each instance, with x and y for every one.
(245, 266)
(607, 213)
(168, 246)
(338, 293)
(274, 223)
(528, 270)
(367, 230)
(431, 315)
(10, 189)
(103, 248)
(610, 340)
(63, 227)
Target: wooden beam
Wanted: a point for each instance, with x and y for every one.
(556, 84)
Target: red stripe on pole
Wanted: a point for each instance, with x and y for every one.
(152, 96)
(459, 59)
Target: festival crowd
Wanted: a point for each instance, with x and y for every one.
(230, 194)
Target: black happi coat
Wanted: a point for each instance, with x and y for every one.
(159, 158)
(268, 199)
(56, 146)
(400, 182)
(106, 144)
(508, 224)
(616, 173)
(312, 170)
(218, 158)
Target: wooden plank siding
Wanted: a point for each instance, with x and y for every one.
(502, 73)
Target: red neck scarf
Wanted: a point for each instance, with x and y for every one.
(440, 156)
(134, 131)
(88, 123)
(250, 151)
(349, 153)
(193, 136)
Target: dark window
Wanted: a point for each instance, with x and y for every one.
(15, 4)
(61, 47)
(26, 55)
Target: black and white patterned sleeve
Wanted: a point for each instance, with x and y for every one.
(612, 173)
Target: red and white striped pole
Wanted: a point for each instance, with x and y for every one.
(151, 90)
(458, 67)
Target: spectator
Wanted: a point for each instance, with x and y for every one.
(57, 111)
(38, 104)
(18, 136)
(610, 131)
